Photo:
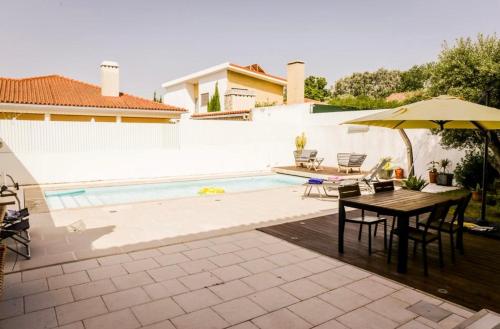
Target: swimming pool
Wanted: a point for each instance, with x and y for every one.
(99, 196)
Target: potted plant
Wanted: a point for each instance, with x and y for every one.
(399, 172)
(445, 178)
(433, 172)
(477, 193)
(300, 142)
(414, 183)
(386, 171)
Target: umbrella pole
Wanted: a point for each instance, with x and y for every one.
(409, 152)
(482, 220)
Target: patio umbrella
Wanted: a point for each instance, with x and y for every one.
(443, 112)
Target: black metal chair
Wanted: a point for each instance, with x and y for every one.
(452, 226)
(351, 191)
(15, 225)
(384, 186)
(424, 236)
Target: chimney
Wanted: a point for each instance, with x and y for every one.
(295, 82)
(110, 79)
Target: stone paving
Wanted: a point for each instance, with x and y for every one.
(246, 280)
(74, 234)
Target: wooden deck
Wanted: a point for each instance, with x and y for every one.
(473, 281)
(322, 172)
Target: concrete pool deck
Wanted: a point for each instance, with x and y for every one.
(75, 234)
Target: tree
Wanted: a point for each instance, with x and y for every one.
(214, 103)
(157, 98)
(416, 78)
(470, 69)
(315, 88)
(378, 84)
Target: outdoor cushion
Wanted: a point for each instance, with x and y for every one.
(315, 181)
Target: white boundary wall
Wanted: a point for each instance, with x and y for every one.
(55, 152)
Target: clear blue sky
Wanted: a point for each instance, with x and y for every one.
(155, 41)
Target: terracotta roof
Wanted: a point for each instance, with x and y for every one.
(219, 114)
(398, 96)
(61, 91)
(256, 68)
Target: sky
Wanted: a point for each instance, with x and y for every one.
(156, 41)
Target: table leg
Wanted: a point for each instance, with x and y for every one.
(341, 225)
(403, 243)
(460, 234)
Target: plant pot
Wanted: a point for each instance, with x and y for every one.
(400, 173)
(433, 177)
(444, 179)
(385, 174)
(477, 195)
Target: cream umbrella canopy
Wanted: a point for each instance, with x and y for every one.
(443, 112)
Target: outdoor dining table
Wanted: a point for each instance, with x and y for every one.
(402, 204)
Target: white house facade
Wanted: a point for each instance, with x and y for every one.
(239, 87)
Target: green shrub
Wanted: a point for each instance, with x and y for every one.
(414, 183)
(469, 171)
(362, 103)
(349, 102)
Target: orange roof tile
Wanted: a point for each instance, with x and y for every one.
(256, 68)
(61, 91)
(220, 113)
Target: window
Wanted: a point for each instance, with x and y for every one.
(204, 99)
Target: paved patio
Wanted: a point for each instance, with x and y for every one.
(76, 234)
(244, 280)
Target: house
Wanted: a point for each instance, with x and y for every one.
(57, 98)
(240, 88)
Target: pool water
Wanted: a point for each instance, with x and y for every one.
(99, 196)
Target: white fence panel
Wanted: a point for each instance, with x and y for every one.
(50, 152)
(65, 137)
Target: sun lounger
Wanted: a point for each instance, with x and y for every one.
(371, 176)
(308, 159)
(324, 186)
(350, 161)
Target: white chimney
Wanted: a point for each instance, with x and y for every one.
(110, 79)
(295, 82)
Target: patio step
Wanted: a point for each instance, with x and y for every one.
(484, 319)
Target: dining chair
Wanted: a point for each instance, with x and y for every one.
(423, 235)
(352, 191)
(452, 226)
(385, 186)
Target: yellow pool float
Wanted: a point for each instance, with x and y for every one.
(211, 190)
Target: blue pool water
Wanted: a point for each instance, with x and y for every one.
(98, 196)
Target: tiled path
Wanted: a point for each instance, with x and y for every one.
(245, 280)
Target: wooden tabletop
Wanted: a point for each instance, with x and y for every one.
(398, 202)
